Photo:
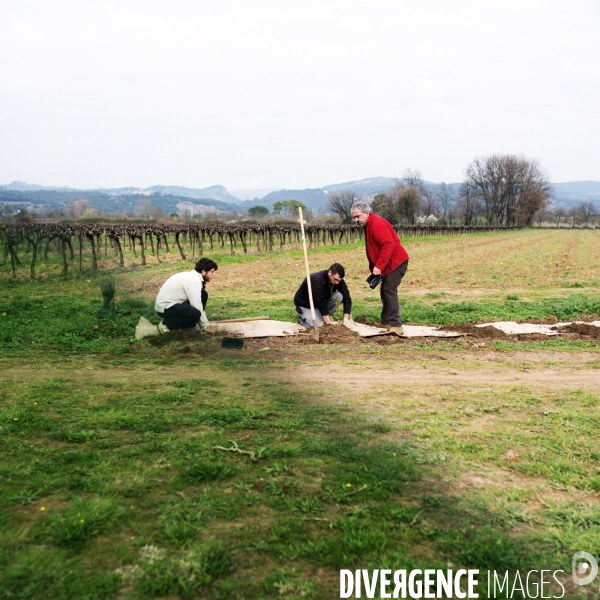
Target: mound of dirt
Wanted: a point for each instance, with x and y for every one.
(332, 334)
(478, 333)
(582, 331)
(179, 335)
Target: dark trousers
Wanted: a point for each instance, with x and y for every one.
(390, 313)
(184, 315)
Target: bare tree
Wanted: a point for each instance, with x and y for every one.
(468, 204)
(429, 204)
(445, 196)
(406, 200)
(340, 203)
(413, 178)
(540, 215)
(586, 211)
(383, 206)
(185, 214)
(76, 209)
(511, 188)
(558, 214)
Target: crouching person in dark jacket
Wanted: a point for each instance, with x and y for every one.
(329, 290)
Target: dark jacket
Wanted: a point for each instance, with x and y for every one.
(384, 249)
(322, 291)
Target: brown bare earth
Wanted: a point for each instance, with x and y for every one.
(338, 334)
(581, 331)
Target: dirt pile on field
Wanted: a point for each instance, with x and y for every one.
(179, 335)
(209, 346)
(581, 331)
(477, 333)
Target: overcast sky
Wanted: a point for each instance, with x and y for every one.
(302, 94)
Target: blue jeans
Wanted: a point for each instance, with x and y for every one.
(305, 318)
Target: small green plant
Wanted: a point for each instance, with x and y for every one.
(207, 471)
(26, 496)
(107, 286)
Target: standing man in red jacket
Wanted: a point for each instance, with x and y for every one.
(387, 257)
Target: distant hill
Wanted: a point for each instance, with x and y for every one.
(572, 193)
(214, 192)
(314, 199)
(21, 186)
(57, 199)
(168, 197)
(372, 185)
(253, 194)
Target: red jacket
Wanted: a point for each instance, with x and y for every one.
(384, 249)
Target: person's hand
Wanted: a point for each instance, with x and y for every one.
(347, 317)
(211, 330)
(376, 271)
(327, 320)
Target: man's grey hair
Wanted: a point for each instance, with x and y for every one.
(363, 207)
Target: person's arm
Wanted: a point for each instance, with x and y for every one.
(384, 238)
(347, 300)
(193, 291)
(320, 300)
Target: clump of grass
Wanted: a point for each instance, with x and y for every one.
(162, 575)
(80, 522)
(52, 573)
(181, 520)
(207, 470)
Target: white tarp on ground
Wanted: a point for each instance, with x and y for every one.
(145, 329)
(363, 330)
(512, 328)
(409, 330)
(257, 329)
(421, 331)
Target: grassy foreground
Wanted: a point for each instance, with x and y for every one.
(410, 456)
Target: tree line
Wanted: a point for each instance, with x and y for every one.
(497, 190)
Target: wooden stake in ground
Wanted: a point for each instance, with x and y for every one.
(315, 330)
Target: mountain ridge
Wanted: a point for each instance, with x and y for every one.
(168, 197)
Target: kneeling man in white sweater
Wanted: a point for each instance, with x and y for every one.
(181, 301)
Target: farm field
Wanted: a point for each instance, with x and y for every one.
(477, 452)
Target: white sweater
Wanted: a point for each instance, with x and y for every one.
(182, 287)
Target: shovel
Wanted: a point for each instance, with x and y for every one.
(315, 331)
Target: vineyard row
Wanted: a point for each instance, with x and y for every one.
(32, 238)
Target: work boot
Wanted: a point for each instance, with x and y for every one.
(399, 331)
(162, 327)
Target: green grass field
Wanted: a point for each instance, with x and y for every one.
(419, 454)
